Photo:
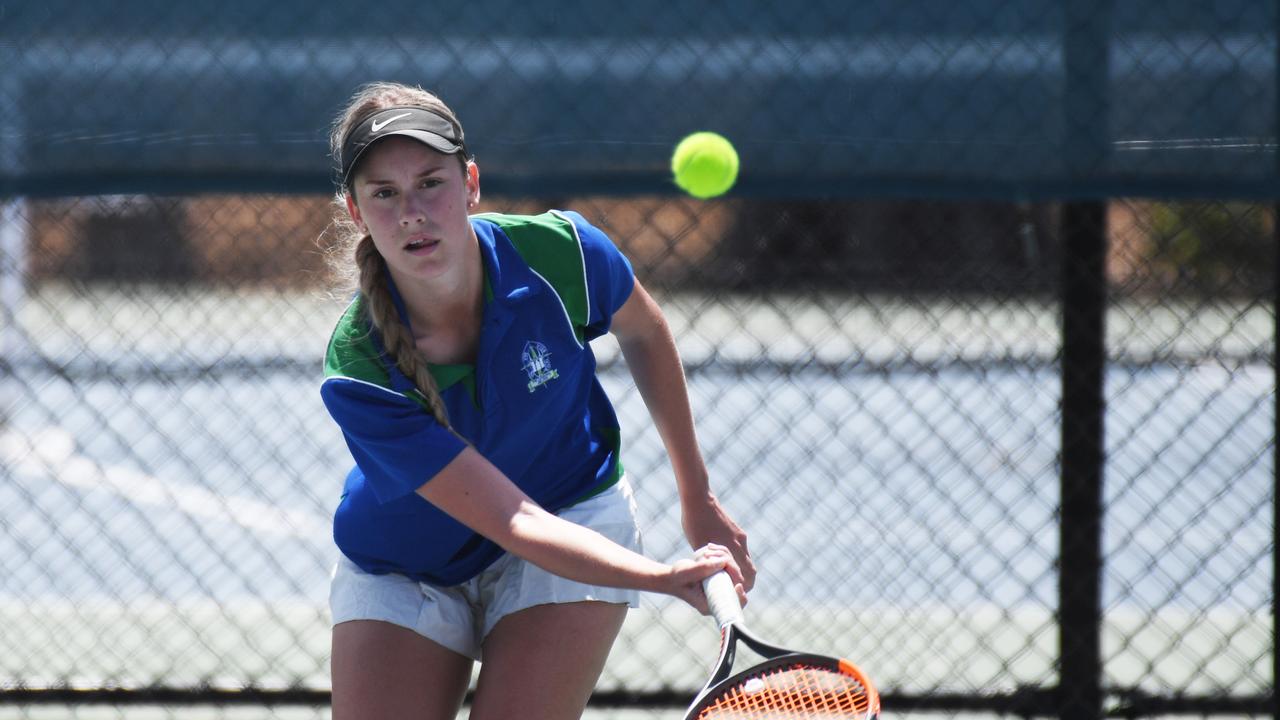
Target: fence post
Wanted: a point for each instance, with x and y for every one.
(1275, 409)
(13, 215)
(1083, 406)
(1086, 144)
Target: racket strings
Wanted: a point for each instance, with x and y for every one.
(796, 691)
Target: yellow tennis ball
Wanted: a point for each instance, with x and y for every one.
(705, 165)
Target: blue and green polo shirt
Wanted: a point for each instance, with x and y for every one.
(531, 405)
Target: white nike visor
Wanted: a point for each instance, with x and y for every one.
(418, 123)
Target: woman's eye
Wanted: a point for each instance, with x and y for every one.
(383, 193)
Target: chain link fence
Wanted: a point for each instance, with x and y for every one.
(981, 348)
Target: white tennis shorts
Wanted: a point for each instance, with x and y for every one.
(459, 617)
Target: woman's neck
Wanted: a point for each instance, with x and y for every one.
(446, 312)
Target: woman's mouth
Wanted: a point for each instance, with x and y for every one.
(420, 244)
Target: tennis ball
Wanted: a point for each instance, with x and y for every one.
(705, 165)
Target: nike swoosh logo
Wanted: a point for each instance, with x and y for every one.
(377, 126)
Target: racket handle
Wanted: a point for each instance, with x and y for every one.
(723, 599)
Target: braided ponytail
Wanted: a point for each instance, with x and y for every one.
(369, 273)
(396, 337)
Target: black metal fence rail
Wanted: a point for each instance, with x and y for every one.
(1024, 702)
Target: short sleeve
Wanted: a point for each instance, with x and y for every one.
(610, 277)
(397, 444)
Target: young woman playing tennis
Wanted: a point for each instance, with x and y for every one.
(488, 516)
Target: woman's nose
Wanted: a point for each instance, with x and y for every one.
(413, 213)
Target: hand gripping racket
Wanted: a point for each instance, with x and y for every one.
(788, 684)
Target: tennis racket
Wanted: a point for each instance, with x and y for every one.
(787, 684)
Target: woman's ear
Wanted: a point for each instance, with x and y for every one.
(354, 211)
(473, 184)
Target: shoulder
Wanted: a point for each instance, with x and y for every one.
(579, 261)
(558, 244)
(356, 370)
(553, 237)
(352, 353)
(551, 246)
(357, 388)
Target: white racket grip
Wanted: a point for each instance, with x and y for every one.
(722, 599)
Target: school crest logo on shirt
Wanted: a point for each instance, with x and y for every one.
(536, 361)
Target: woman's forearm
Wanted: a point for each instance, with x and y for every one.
(650, 351)
(579, 553)
(654, 362)
(477, 494)
(582, 554)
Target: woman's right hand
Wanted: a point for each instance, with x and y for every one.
(685, 579)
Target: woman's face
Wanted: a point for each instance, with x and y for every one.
(414, 202)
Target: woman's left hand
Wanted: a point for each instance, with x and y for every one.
(706, 521)
(686, 576)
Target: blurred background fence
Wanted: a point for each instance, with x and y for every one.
(981, 346)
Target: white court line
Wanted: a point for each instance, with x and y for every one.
(50, 453)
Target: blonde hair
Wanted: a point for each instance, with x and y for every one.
(369, 272)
